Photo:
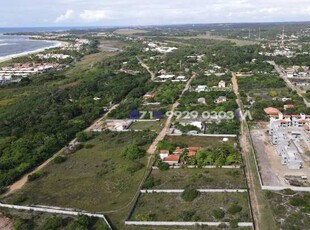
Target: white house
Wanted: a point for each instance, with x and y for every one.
(202, 88)
(163, 154)
(222, 84)
(220, 99)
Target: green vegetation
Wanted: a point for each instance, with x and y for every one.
(216, 178)
(298, 204)
(90, 178)
(38, 221)
(189, 194)
(59, 159)
(159, 206)
(41, 122)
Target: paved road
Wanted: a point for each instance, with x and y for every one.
(147, 68)
(22, 181)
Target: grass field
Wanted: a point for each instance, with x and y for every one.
(198, 141)
(155, 126)
(95, 179)
(38, 221)
(199, 178)
(129, 31)
(238, 42)
(170, 207)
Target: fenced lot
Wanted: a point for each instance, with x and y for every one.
(208, 207)
(154, 126)
(216, 178)
(199, 141)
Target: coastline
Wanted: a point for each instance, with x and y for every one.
(9, 57)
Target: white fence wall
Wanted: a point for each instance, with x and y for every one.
(200, 190)
(173, 223)
(55, 210)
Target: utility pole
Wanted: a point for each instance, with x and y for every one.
(249, 33)
(259, 33)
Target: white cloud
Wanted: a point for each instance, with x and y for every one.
(93, 15)
(68, 15)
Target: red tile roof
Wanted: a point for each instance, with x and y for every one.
(272, 111)
(172, 157)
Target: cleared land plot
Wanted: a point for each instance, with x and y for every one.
(93, 179)
(198, 141)
(171, 207)
(155, 126)
(271, 169)
(199, 178)
(291, 210)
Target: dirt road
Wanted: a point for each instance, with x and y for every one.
(147, 68)
(165, 130)
(5, 223)
(22, 181)
(246, 151)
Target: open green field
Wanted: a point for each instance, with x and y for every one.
(96, 179)
(154, 126)
(171, 207)
(216, 178)
(198, 141)
(129, 31)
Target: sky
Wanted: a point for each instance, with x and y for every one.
(41, 13)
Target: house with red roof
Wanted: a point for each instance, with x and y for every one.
(172, 159)
(271, 111)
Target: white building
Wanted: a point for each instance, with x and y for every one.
(202, 88)
(222, 84)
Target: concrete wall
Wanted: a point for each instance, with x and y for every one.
(206, 135)
(173, 223)
(204, 167)
(200, 190)
(279, 188)
(55, 210)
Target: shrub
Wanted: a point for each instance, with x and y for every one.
(35, 176)
(83, 136)
(233, 209)
(297, 201)
(19, 199)
(188, 215)
(59, 159)
(218, 213)
(150, 183)
(233, 223)
(163, 166)
(189, 194)
(52, 223)
(133, 152)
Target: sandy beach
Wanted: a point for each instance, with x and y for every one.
(9, 57)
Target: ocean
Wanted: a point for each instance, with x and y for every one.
(12, 46)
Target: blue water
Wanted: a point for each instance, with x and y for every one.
(11, 45)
